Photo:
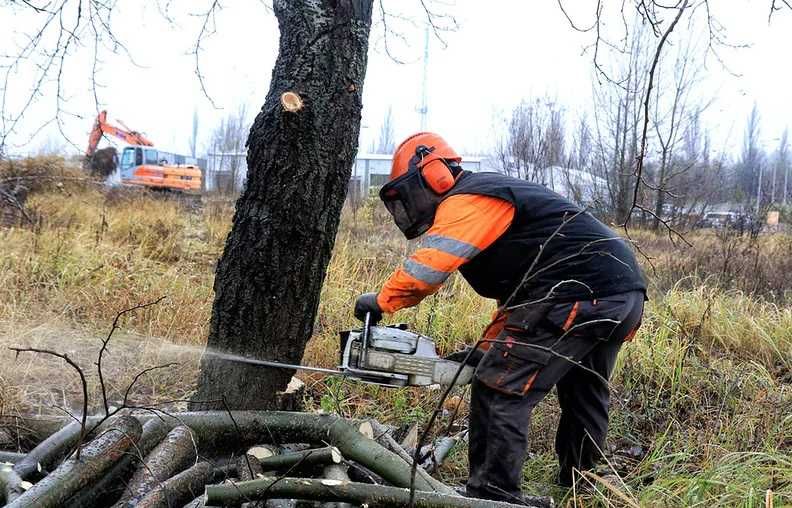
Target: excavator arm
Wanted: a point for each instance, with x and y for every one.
(102, 127)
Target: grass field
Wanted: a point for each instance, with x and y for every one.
(702, 399)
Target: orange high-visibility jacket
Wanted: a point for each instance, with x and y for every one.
(464, 225)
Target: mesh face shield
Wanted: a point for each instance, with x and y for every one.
(411, 203)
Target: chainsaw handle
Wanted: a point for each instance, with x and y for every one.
(365, 337)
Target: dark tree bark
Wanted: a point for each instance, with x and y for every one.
(268, 279)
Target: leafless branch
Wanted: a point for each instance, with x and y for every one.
(239, 432)
(105, 343)
(572, 23)
(61, 30)
(83, 382)
(384, 15)
(207, 30)
(125, 403)
(432, 18)
(777, 5)
(639, 163)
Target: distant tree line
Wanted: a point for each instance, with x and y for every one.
(684, 175)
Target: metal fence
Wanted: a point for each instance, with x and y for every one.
(226, 172)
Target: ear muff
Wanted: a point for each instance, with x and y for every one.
(437, 176)
(434, 170)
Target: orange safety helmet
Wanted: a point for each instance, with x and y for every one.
(433, 165)
(424, 168)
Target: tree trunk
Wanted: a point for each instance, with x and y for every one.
(268, 279)
(661, 191)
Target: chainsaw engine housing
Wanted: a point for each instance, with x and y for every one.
(395, 356)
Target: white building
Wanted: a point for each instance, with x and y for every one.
(370, 170)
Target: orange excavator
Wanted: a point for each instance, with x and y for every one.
(140, 163)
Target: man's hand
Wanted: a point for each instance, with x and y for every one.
(460, 356)
(367, 302)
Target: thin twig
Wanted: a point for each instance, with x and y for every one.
(106, 341)
(639, 163)
(83, 382)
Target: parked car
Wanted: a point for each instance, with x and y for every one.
(719, 220)
(743, 222)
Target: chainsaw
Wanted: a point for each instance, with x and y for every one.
(388, 356)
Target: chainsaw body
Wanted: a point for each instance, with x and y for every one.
(395, 356)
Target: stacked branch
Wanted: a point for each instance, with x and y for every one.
(165, 462)
(339, 490)
(77, 473)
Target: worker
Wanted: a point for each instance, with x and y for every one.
(569, 293)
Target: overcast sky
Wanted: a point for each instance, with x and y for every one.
(503, 51)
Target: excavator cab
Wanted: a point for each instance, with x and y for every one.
(148, 167)
(131, 157)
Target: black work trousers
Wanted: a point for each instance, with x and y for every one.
(572, 346)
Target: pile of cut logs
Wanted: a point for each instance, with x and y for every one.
(218, 458)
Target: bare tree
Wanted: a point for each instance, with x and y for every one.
(386, 143)
(194, 134)
(676, 110)
(701, 184)
(752, 159)
(580, 155)
(52, 145)
(783, 164)
(617, 121)
(534, 140)
(227, 150)
(655, 15)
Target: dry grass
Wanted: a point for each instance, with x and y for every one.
(727, 260)
(702, 398)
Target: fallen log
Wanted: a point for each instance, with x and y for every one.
(73, 474)
(265, 451)
(111, 484)
(180, 489)
(174, 454)
(385, 438)
(11, 457)
(335, 490)
(437, 452)
(358, 473)
(215, 430)
(311, 457)
(48, 452)
(11, 485)
(248, 468)
(410, 440)
(337, 472)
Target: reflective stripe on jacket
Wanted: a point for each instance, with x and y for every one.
(464, 225)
